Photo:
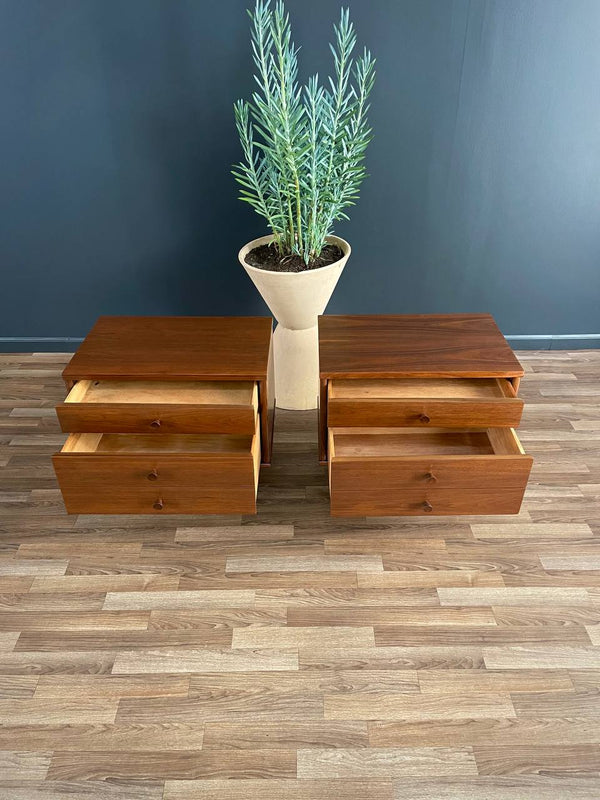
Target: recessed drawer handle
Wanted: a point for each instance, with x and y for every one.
(158, 504)
(424, 418)
(427, 506)
(152, 476)
(430, 477)
(155, 423)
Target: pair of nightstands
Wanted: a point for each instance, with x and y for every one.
(175, 415)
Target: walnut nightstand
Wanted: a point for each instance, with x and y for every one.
(417, 415)
(167, 415)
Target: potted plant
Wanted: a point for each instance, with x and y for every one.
(303, 153)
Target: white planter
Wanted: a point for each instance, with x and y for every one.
(296, 299)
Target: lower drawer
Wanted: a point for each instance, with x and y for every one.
(147, 474)
(403, 471)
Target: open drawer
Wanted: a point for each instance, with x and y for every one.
(410, 471)
(442, 402)
(171, 474)
(115, 406)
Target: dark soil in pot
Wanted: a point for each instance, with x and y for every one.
(267, 257)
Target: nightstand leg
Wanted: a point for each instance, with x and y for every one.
(323, 421)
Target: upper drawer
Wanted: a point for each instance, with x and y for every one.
(110, 406)
(439, 402)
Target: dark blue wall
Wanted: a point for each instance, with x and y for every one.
(116, 139)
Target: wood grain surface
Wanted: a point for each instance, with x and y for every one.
(380, 346)
(294, 655)
(174, 348)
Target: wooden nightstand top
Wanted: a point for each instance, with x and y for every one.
(419, 345)
(174, 348)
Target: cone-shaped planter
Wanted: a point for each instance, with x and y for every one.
(296, 299)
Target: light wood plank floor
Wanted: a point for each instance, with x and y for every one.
(295, 656)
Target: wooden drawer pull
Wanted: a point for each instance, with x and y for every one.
(152, 476)
(155, 423)
(158, 504)
(430, 477)
(427, 506)
(424, 418)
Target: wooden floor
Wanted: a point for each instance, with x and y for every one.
(295, 656)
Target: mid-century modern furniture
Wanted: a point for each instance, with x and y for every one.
(167, 415)
(417, 414)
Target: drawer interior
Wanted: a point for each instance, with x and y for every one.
(230, 393)
(421, 388)
(394, 442)
(148, 443)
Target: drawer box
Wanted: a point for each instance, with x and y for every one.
(432, 402)
(408, 471)
(115, 406)
(168, 474)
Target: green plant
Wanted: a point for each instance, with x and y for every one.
(303, 147)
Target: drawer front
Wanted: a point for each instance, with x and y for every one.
(431, 474)
(157, 484)
(155, 418)
(346, 410)
(445, 502)
(432, 413)
(439, 485)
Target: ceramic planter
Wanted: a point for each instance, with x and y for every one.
(296, 299)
